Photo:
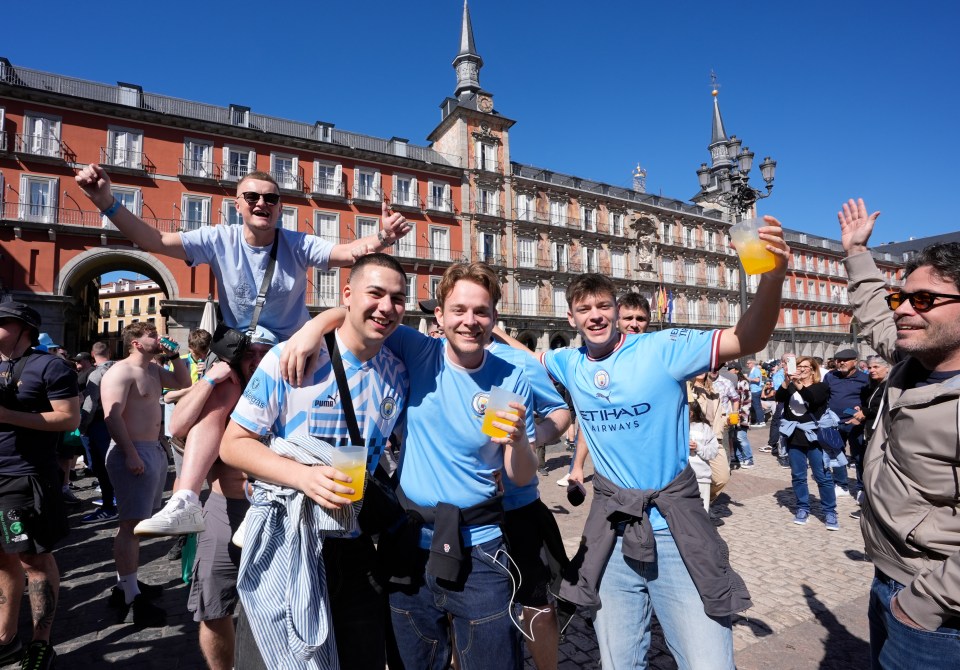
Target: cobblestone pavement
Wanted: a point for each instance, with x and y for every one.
(809, 586)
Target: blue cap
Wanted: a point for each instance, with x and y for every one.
(263, 336)
(46, 342)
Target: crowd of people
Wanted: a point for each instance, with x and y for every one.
(434, 547)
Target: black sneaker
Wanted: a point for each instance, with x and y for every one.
(855, 514)
(39, 656)
(146, 614)
(10, 651)
(176, 551)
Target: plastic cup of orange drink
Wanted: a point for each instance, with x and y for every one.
(754, 256)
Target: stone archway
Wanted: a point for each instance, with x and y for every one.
(82, 268)
(559, 342)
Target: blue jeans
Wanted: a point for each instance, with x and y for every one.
(799, 457)
(740, 444)
(756, 406)
(486, 638)
(631, 590)
(896, 645)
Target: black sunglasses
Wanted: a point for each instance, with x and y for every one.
(252, 197)
(922, 301)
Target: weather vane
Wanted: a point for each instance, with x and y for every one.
(713, 83)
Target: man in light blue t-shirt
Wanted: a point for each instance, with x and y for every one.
(378, 381)
(450, 472)
(631, 402)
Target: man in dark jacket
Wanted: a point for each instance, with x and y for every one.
(845, 383)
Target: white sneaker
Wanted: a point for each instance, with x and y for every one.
(563, 481)
(178, 517)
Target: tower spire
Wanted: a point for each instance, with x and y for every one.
(468, 62)
(719, 134)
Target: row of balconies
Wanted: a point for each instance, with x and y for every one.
(560, 221)
(107, 312)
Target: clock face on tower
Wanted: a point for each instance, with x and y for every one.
(485, 103)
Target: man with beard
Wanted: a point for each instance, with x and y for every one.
(909, 508)
(136, 461)
(200, 418)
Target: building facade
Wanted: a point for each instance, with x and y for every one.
(176, 164)
(128, 301)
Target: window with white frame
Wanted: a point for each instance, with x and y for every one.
(125, 148)
(822, 292)
(559, 255)
(488, 202)
(797, 260)
(198, 158)
(811, 288)
(440, 197)
(3, 134)
(813, 318)
(836, 318)
(411, 302)
(238, 162)
(366, 184)
(284, 169)
(328, 288)
(711, 274)
(288, 218)
(407, 245)
(666, 232)
(693, 310)
(666, 267)
(710, 238)
(824, 318)
(327, 226)
(713, 311)
(588, 219)
(528, 299)
(526, 206)
(591, 259)
(689, 236)
(733, 278)
(526, 252)
(559, 301)
(434, 285)
(41, 134)
(618, 265)
(231, 216)
(439, 243)
(127, 197)
(405, 190)
(487, 247)
(486, 156)
(558, 212)
(690, 271)
(367, 226)
(616, 224)
(38, 198)
(788, 317)
(801, 317)
(799, 287)
(194, 212)
(327, 178)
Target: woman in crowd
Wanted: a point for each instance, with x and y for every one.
(805, 401)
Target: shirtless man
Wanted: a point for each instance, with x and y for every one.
(136, 462)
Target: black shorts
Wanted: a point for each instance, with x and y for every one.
(32, 515)
(536, 547)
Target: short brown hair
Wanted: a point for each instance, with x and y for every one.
(478, 273)
(257, 176)
(100, 349)
(199, 340)
(136, 330)
(590, 284)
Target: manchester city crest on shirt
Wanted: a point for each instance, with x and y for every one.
(601, 379)
(479, 403)
(388, 408)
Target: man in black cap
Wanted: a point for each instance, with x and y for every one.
(846, 382)
(39, 399)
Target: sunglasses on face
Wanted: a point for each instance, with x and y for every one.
(252, 197)
(922, 301)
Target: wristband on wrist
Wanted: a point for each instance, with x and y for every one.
(112, 209)
(208, 380)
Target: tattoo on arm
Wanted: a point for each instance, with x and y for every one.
(3, 597)
(43, 604)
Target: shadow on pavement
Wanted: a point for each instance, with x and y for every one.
(842, 649)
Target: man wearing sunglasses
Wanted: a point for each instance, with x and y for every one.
(238, 255)
(912, 463)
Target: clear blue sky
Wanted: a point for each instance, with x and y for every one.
(851, 98)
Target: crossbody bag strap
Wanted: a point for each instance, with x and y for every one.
(265, 284)
(346, 400)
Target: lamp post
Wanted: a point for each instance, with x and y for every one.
(731, 176)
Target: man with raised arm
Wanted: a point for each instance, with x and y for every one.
(136, 461)
(238, 256)
(630, 396)
(910, 482)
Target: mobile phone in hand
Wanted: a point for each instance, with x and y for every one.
(791, 365)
